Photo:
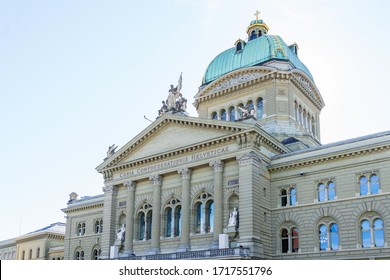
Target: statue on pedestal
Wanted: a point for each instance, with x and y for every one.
(233, 218)
(121, 233)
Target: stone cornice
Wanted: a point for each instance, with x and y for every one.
(297, 78)
(40, 235)
(84, 207)
(328, 157)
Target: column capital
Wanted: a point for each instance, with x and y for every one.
(130, 185)
(157, 179)
(217, 165)
(185, 173)
(110, 189)
(248, 158)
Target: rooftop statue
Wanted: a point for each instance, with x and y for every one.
(175, 101)
(111, 150)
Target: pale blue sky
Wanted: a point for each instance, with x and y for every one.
(79, 75)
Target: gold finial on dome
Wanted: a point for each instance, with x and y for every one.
(257, 14)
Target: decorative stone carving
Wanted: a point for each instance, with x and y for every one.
(236, 80)
(217, 165)
(130, 186)
(121, 233)
(249, 158)
(73, 196)
(157, 180)
(246, 113)
(110, 189)
(185, 173)
(111, 151)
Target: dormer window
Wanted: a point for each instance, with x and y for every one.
(240, 44)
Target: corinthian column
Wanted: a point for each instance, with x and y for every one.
(157, 182)
(130, 189)
(218, 201)
(185, 209)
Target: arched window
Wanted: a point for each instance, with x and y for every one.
(96, 253)
(363, 184)
(240, 111)
(326, 192)
(284, 237)
(372, 232)
(283, 197)
(210, 216)
(331, 191)
(374, 182)
(177, 219)
(169, 225)
(99, 226)
(296, 111)
(223, 115)
(80, 229)
(366, 234)
(239, 46)
(321, 192)
(304, 119)
(204, 213)
(260, 110)
(149, 225)
(289, 238)
(23, 255)
(334, 237)
(328, 237)
(173, 218)
(253, 35)
(79, 255)
(288, 196)
(38, 252)
(323, 234)
(293, 196)
(214, 116)
(379, 234)
(30, 254)
(300, 115)
(313, 126)
(144, 222)
(232, 114)
(295, 240)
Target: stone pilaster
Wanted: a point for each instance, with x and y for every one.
(130, 199)
(250, 197)
(218, 201)
(185, 209)
(156, 215)
(108, 235)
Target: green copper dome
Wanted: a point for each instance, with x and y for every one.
(256, 51)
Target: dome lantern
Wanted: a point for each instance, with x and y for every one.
(256, 28)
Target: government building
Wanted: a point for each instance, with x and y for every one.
(248, 178)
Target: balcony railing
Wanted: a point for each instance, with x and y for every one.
(228, 253)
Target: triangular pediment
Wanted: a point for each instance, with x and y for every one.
(170, 133)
